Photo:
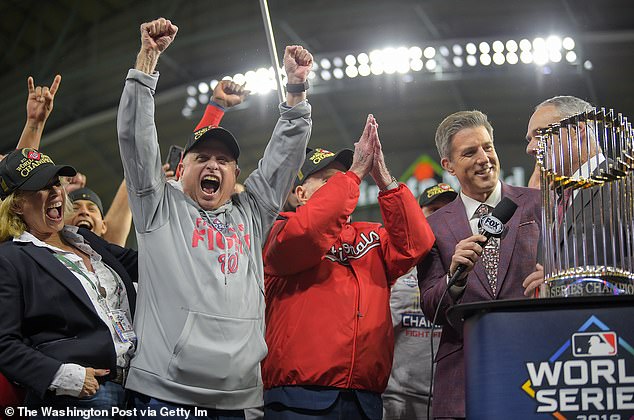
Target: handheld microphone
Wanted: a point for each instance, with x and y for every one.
(491, 225)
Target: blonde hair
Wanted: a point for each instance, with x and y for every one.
(11, 224)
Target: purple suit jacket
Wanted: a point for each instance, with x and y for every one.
(518, 256)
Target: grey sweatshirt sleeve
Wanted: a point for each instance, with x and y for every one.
(139, 148)
(271, 182)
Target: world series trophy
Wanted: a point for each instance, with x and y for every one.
(587, 188)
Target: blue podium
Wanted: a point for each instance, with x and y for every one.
(562, 358)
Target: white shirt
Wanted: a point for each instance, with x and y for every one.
(472, 205)
(587, 169)
(69, 379)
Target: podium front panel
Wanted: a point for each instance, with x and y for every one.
(562, 363)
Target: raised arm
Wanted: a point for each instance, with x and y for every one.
(118, 218)
(297, 63)
(156, 36)
(271, 182)
(302, 241)
(39, 105)
(138, 141)
(407, 236)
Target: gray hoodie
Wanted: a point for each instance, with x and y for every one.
(200, 304)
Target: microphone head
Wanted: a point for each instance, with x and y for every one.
(493, 224)
(504, 210)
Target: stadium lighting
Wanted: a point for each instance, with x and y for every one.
(364, 70)
(433, 57)
(416, 65)
(571, 56)
(511, 46)
(415, 53)
(203, 87)
(498, 58)
(352, 72)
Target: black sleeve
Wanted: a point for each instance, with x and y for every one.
(19, 362)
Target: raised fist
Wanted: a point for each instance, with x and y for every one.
(76, 182)
(157, 35)
(298, 63)
(228, 93)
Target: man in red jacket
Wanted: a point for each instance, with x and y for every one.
(329, 329)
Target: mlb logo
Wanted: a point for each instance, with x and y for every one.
(33, 155)
(594, 344)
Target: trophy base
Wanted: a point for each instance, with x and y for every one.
(589, 281)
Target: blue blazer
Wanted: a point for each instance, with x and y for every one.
(46, 317)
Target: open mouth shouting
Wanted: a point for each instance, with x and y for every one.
(54, 212)
(210, 184)
(84, 223)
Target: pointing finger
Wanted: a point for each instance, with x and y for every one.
(30, 84)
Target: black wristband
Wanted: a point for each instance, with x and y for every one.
(297, 87)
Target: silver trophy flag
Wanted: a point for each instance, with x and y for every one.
(587, 164)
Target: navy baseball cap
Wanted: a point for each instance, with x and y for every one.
(432, 193)
(29, 170)
(217, 133)
(86, 194)
(318, 158)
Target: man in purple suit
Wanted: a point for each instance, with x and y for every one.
(496, 271)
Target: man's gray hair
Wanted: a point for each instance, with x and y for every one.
(456, 122)
(567, 106)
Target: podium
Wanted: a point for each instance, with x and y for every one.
(562, 358)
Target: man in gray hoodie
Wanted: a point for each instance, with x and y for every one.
(200, 305)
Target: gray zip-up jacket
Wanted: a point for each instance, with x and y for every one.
(200, 305)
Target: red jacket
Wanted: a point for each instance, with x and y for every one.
(10, 396)
(328, 281)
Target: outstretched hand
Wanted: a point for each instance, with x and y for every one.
(363, 158)
(298, 63)
(157, 35)
(228, 93)
(39, 102)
